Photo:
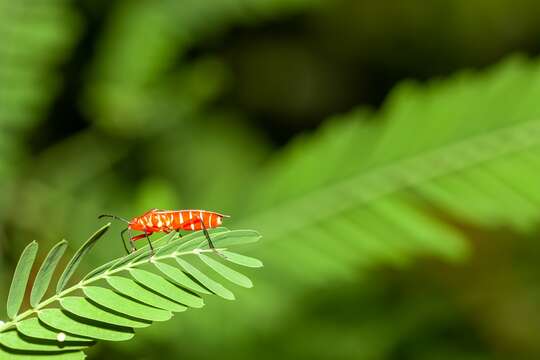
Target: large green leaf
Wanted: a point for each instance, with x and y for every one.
(20, 279)
(103, 313)
(467, 167)
(379, 174)
(368, 189)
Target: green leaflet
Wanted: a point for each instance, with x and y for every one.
(166, 288)
(46, 272)
(86, 309)
(242, 259)
(232, 238)
(132, 289)
(13, 340)
(36, 329)
(124, 305)
(76, 259)
(20, 279)
(180, 278)
(60, 320)
(226, 272)
(212, 285)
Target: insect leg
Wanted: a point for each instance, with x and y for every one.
(149, 242)
(124, 240)
(207, 235)
(131, 242)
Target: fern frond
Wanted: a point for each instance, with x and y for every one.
(355, 193)
(111, 301)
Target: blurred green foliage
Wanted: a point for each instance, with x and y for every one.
(405, 232)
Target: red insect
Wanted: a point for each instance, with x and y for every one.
(167, 221)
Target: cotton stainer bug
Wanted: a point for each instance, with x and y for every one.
(167, 221)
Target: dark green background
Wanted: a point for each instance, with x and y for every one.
(122, 106)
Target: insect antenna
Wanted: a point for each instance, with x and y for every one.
(114, 217)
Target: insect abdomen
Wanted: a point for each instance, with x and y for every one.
(189, 219)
